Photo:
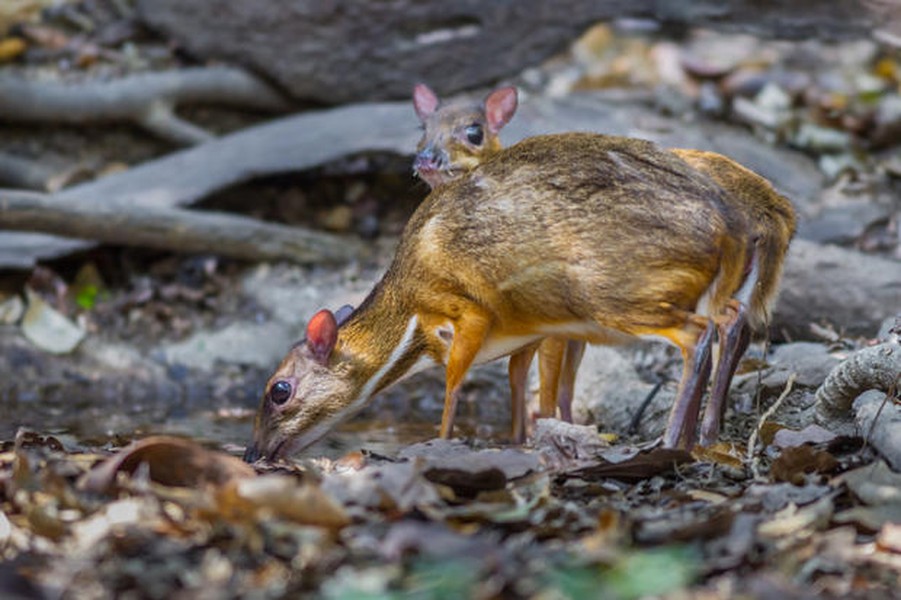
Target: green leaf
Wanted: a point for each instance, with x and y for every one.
(653, 572)
(442, 580)
(86, 297)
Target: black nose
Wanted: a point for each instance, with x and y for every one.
(251, 454)
(427, 160)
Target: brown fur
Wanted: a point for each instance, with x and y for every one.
(769, 215)
(613, 236)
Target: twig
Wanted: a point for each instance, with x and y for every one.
(174, 229)
(147, 99)
(751, 458)
(636, 418)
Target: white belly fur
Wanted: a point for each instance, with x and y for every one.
(498, 347)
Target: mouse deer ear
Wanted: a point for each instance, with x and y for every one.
(500, 105)
(424, 101)
(322, 333)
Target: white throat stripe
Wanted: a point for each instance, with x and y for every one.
(399, 351)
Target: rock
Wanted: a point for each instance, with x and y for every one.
(261, 345)
(852, 291)
(609, 391)
(884, 432)
(809, 361)
(816, 138)
(842, 224)
(346, 50)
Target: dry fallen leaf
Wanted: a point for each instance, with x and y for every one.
(49, 329)
(286, 497)
(889, 538)
(642, 465)
(874, 484)
(793, 520)
(812, 434)
(170, 461)
(721, 453)
(798, 461)
(872, 518)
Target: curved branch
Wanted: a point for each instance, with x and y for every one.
(147, 99)
(174, 229)
(23, 173)
(160, 119)
(874, 368)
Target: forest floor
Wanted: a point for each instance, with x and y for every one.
(119, 474)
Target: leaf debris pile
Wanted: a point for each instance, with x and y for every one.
(570, 517)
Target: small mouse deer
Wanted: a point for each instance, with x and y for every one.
(587, 237)
(456, 138)
(770, 217)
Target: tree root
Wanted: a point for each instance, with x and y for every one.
(874, 368)
(174, 229)
(23, 173)
(284, 145)
(147, 99)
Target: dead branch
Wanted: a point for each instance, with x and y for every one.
(147, 99)
(874, 368)
(174, 229)
(284, 145)
(23, 173)
(858, 293)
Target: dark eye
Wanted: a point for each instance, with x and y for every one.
(474, 134)
(280, 392)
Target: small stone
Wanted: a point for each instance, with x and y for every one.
(821, 139)
(48, 329)
(772, 97)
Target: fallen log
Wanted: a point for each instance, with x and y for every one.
(315, 138)
(147, 100)
(23, 173)
(173, 229)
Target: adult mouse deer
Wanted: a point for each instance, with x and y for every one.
(588, 237)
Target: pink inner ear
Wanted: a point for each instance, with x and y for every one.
(322, 334)
(500, 105)
(424, 101)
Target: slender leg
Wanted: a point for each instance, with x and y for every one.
(470, 330)
(518, 369)
(733, 341)
(575, 350)
(680, 430)
(734, 336)
(550, 362)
